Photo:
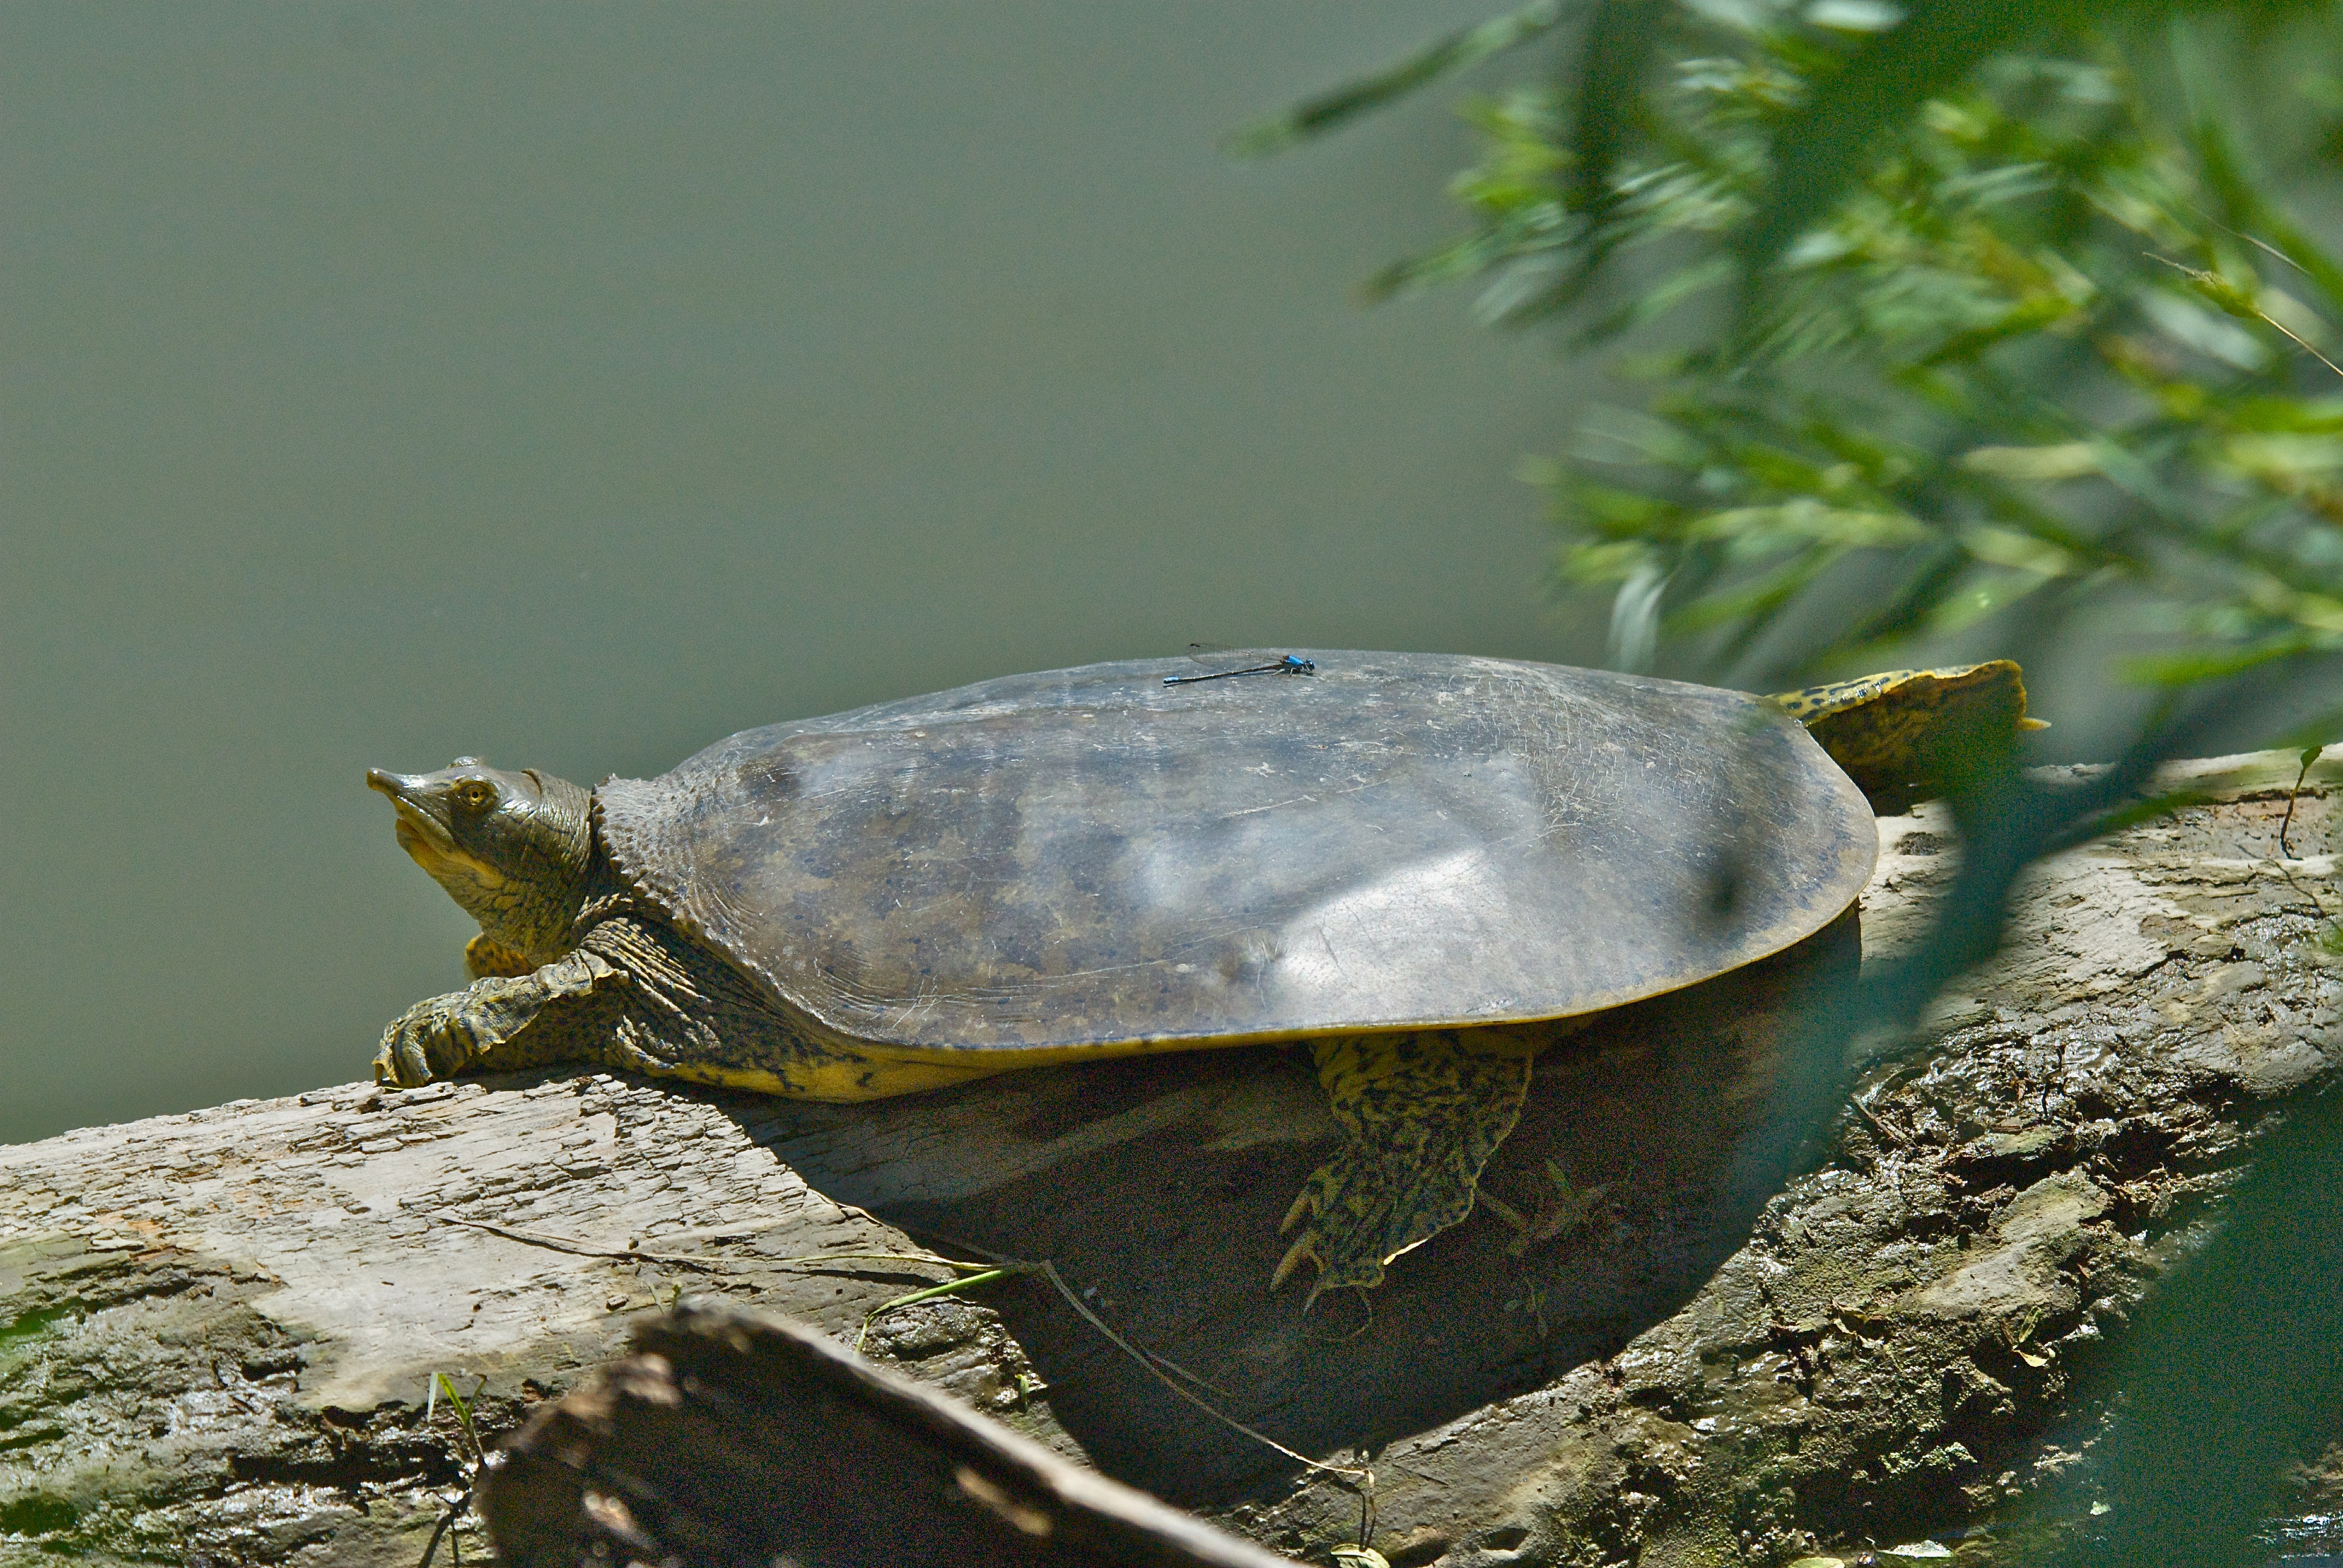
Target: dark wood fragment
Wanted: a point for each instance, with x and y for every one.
(733, 1441)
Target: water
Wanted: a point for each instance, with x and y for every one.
(576, 387)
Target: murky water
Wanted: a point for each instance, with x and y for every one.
(575, 386)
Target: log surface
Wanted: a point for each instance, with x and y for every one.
(216, 1329)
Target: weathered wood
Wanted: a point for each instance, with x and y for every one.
(736, 1441)
(221, 1324)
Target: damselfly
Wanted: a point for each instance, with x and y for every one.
(1239, 663)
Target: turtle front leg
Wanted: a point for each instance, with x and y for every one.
(1421, 1111)
(499, 1022)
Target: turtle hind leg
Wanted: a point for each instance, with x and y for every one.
(1420, 1112)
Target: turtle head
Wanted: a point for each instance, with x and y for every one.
(1907, 735)
(516, 849)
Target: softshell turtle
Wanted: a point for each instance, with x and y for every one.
(1414, 862)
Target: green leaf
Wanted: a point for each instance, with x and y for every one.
(1752, 601)
(1614, 561)
(1805, 520)
(2066, 460)
(2209, 664)
(2017, 550)
(1328, 111)
(2268, 229)
(1987, 594)
(1835, 136)
(2227, 295)
(1613, 59)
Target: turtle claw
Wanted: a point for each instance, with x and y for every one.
(495, 1022)
(1356, 1273)
(427, 1041)
(1364, 1211)
(1306, 1249)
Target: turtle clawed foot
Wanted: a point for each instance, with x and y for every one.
(1364, 1211)
(1339, 1264)
(429, 1040)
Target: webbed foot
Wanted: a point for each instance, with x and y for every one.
(427, 1041)
(1422, 1111)
(1364, 1211)
(499, 1022)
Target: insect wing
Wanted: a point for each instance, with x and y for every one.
(1213, 662)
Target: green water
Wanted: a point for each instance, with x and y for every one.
(575, 384)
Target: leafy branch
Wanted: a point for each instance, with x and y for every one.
(1954, 330)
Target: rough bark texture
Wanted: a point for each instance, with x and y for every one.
(717, 1441)
(216, 1330)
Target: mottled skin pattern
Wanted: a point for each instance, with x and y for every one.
(1421, 1112)
(570, 966)
(484, 955)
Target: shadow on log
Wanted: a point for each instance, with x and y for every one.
(727, 1441)
(1158, 1184)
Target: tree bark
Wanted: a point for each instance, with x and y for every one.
(220, 1328)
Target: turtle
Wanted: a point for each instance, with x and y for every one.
(1423, 866)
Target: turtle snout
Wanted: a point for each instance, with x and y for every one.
(412, 793)
(410, 796)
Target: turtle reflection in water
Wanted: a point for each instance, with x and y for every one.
(1414, 862)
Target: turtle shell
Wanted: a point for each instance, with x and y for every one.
(1092, 857)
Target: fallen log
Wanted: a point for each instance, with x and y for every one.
(222, 1327)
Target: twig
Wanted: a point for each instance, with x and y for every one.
(463, 1501)
(2309, 756)
(446, 1523)
(1878, 1126)
(2234, 300)
(2312, 894)
(1049, 1271)
(977, 1274)
(1162, 1360)
(889, 1258)
(1001, 1265)
(578, 1249)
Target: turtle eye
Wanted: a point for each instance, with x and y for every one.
(476, 794)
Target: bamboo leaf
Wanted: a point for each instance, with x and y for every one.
(2066, 460)
(1829, 142)
(1330, 111)
(2211, 664)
